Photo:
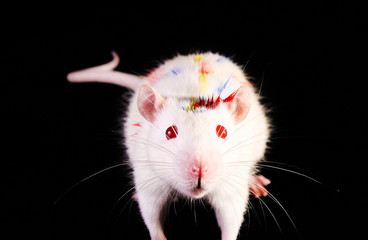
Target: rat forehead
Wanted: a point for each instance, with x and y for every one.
(181, 112)
(200, 104)
(195, 104)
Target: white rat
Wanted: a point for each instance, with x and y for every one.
(194, 128)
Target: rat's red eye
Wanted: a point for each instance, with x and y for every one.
(221, 131)
(171, 132)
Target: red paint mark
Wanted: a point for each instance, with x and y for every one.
(137, 124)
(204, 68)
(230, 98)
(211, 103)
(134, 134)
(221, 131)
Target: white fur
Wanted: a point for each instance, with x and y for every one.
(161, 166)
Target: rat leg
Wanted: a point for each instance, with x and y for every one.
(230, 206)
(257, 185)
(151, 202)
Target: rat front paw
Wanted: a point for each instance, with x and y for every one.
(257, 185)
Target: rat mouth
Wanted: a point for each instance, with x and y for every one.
(197, 192)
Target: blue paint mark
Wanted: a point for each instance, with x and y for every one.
(221, 59)
(176, 71)
(222, 88)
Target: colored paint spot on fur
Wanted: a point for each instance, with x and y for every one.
(204, 68)
(134, 134)
(200, 104)
(222, 88)
(137, 124)
(204, 71)
(176, 71)
(222, 59)
(230, 98)
(198, 57)
(203, 83)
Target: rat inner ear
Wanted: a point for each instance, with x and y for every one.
(239, 104)
(149, 102)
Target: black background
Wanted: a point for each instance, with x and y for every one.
(309, 59)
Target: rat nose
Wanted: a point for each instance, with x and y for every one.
(199, 170)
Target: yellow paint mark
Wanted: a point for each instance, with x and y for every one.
(202, 83)
(193, 107)
(198, 57)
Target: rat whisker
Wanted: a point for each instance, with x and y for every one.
(163, 150)
(260, 88)
(201, 200)
(141, 163)
(163, 170)
(143, 186)
(245, 123)
(290, 171)
(195, 215)
(237, 164)
(173, 198)
(149, 162)
(239, 145)
(264, 215)
(273, 216)
(242, 144)
(86, 178)
(230, 184)
(153, 145)
(162, 164)
(250, 57)
(156, 160)
(253, 209)
(238, 176)
(286, 213)
(280, 163)
(232, 165)
(117, 201)
(130, 201)
(251, 137)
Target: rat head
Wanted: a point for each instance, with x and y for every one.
(186, 143)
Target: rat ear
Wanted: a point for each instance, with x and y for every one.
(239, 103)
(149, 102)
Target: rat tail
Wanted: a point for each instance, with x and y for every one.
(105, 74)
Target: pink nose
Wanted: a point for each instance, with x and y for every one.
(199, 170)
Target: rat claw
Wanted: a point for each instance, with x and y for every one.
(135, 197)
(262, 180)
(257, 185)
